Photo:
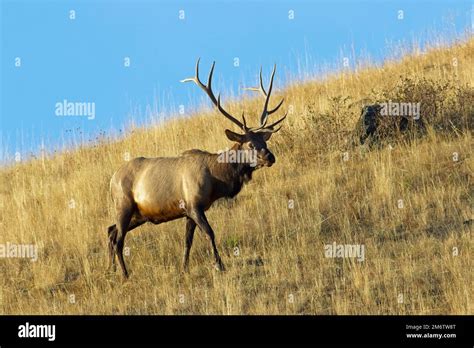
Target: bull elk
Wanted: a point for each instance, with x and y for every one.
(162, 189)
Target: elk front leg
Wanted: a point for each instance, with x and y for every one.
(201, 220)
(190, 227)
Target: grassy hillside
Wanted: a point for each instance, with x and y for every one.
(417, 253)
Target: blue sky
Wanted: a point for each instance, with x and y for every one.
(83, 59)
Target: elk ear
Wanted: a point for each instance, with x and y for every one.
(266, 135)
(240, 138)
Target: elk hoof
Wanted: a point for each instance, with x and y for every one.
(219, 266)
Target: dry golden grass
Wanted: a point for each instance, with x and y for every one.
(281, 266)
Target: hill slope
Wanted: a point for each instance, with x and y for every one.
(409, 205)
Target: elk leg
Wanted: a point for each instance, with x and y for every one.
(190, 227)
(112, 232)
(201, 221)
(123, 222)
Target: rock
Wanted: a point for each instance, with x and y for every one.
(376, 124)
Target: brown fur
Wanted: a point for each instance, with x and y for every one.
(167, 188)
(162, 189)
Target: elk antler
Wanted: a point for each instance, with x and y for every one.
(266, 112)
(217, 102)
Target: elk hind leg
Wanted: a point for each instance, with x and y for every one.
(123, 221)
(135, 221)
(190, 227)
(112, 233)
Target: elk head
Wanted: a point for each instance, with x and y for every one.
(252, 138)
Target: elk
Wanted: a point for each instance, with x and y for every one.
(162, 189)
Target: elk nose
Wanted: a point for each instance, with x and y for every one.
(270, 159)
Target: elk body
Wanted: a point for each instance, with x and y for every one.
(162, 189)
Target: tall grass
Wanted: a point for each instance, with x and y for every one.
(272, 236)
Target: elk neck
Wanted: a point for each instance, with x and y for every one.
(230, 176)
